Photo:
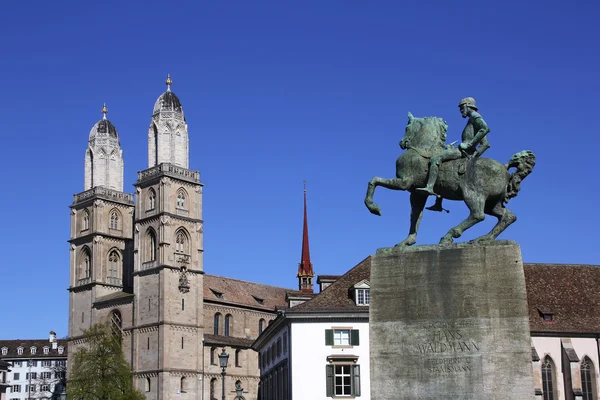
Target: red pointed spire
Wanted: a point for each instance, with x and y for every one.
(305, 270)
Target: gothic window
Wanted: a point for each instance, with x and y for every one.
(151, 238)
(261, 325)
(181, 242)
(181, 196)
(86, 264)
(151, 199)
(228, 323)
(213, 387)
(548, 380)
(147, 385)
(86, 220)
(217, 322)
(113, 264)
(182, 385)
(114, 219)
(116, 323)
(588, 386)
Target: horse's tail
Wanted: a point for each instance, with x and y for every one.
(523, 161)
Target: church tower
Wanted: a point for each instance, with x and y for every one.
(305, 271)
(168, 260)
(101, 230)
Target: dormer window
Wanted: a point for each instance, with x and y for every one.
(362, 293)
(20, 351)
(46, 349)
(33, 349)
(218, 295)
(60, 349)
(259, 300)
(546, 314)
(4, 351)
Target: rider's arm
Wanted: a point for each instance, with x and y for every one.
(482, 130)
(483, 146)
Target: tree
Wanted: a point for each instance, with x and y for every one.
(99, 370)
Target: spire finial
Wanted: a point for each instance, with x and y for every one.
(104, 111)
(169, 82)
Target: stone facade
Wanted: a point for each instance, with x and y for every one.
(137, 263)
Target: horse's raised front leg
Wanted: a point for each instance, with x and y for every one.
(394, 184)
(476, 206)
(417, 203)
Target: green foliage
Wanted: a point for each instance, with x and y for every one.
(99, 370)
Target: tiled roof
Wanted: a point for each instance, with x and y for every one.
(13, 345)
(257, 295)
(571, 293)
(227, 341)
(338, 295)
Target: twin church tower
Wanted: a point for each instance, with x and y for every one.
(137, 262)
(139, 265)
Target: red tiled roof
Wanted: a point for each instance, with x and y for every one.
(13, 345)
(571, 293)
(243, 293)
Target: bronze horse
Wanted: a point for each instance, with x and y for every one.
(485, 185)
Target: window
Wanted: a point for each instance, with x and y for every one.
(46, 375)
(151, 239)
(32, 363)
(31, 375)
(182, 384)
(216, 323)
(114, 220)
(147, 385)
(33, 350)
(213, 385)
(151, 199)
(362, 297)
(285, 342)
(343, 380)
(60, 351)
(182, 304)
(16, 389)
(46, 363)
(46, 351)
(181, 198)
(113, 264)
(237, 358)
(588, 386)
(30, 388)
(19, 350)
(116, 323)
(60, 363)
(548, 378)
(45, 388)
(261, 325)
(86, 220)
(17, 363)
(148, 344)
(4, 351)
(227, 324)
(213, 358)
(342, 337)
(16, 376)
(181, 242)
(86, 264)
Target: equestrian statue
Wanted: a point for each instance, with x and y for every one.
(430, 167)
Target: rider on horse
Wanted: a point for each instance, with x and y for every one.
(473, 135)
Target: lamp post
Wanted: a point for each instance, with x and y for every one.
(239, 392)
(223, 358)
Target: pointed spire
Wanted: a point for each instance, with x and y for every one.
(104, 111)
(169, 82)
(305, 270)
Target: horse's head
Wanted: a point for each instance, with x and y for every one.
(427, 133)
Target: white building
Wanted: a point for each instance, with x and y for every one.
(37, 367)
(320, 349)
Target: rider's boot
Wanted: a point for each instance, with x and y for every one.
(437, 206)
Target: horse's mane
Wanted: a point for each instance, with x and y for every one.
(437, 125)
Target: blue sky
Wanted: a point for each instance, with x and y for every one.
(280, 92)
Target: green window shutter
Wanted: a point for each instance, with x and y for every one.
(354, 340)
(328, 337)
(356, 380)
(329, 381)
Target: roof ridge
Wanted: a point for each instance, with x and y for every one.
(244, 281)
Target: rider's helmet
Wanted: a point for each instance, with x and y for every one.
(469, 102)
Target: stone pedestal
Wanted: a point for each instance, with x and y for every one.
(450, 323)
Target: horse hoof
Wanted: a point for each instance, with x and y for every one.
(374, 208)
(446, 241)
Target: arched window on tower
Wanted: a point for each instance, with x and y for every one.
(114, 261)
(86, 220)
(588, 383)
(181, 196)
(151, 243)
(116, 324)
(182, 385)
(217, 322)
(114, 219)
(548, 379)
(213, 388)
(181, 242)
(85, 267)
(228, 323)
(261, 325)
(147, 385)
(151, 199)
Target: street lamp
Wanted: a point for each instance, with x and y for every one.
(223, 358)
(239, 392)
